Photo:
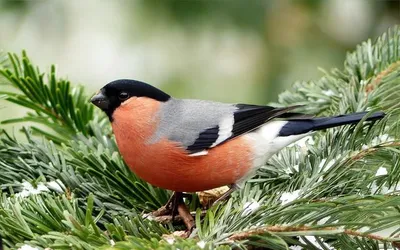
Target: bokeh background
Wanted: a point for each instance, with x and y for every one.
(224, 50)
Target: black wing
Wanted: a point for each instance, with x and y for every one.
(245, 119)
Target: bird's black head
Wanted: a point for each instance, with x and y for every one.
(116, 92)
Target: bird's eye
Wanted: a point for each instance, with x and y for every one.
(123, 96)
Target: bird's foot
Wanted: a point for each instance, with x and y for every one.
(169, 208)
(176, 206)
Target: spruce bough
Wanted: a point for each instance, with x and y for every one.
(66, 186)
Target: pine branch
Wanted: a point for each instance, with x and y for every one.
(55, 222)
(91, 165)
(4, 63)
(334, 165)
(341, 186)
(55, 104)
(294, 231)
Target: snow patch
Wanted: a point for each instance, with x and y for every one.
(28, 189)
(328, 92)
(326, 166)
(201, 244)
(148, 216)
(323, 220)
(170, 241)
(287, 197)
(250, 207)
(381, 171)
(377, 141)
(363, 229)
(56, 185)
(27, 247)
(314, 241)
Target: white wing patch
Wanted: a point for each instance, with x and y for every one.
(266, 142)
(201, 153)
(225, 130)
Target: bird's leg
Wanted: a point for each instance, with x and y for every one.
(227, 194)
(168, 207)
(171, 201)
(173, 198)
(175, 206)
(176, 200)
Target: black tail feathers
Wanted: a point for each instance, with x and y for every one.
(297, 127)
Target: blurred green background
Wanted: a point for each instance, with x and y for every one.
(224, 50)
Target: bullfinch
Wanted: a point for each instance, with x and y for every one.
(188, 145)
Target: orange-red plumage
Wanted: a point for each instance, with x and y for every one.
(164, 163)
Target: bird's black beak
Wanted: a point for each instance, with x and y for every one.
(100, 100)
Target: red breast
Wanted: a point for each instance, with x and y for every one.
(167, 165)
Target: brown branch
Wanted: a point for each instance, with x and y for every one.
(377, 80)
(365, 152)
(162, 211)
(369, 236)
(263, 230)
(279, 229)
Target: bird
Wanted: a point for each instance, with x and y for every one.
(190, 145)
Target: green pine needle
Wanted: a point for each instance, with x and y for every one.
(66, 186)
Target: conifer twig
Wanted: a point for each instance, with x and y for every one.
(377, 80)
(280, 229)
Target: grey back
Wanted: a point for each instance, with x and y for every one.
(182, 120)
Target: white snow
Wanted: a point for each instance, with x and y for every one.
(148, 216)
(314, 241)
(287, 197)
(328, 92)
(381, 171)
(326, 166)
(288, 171)
(28, 189)
(364, 147)
(384, 188)
(374, 187)
(363, 229)
(378, 140)
(323, 220)
(56, 185)
(27, 247)
(201, 244)
(250, 207)
(170, 241)
(384, 138)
